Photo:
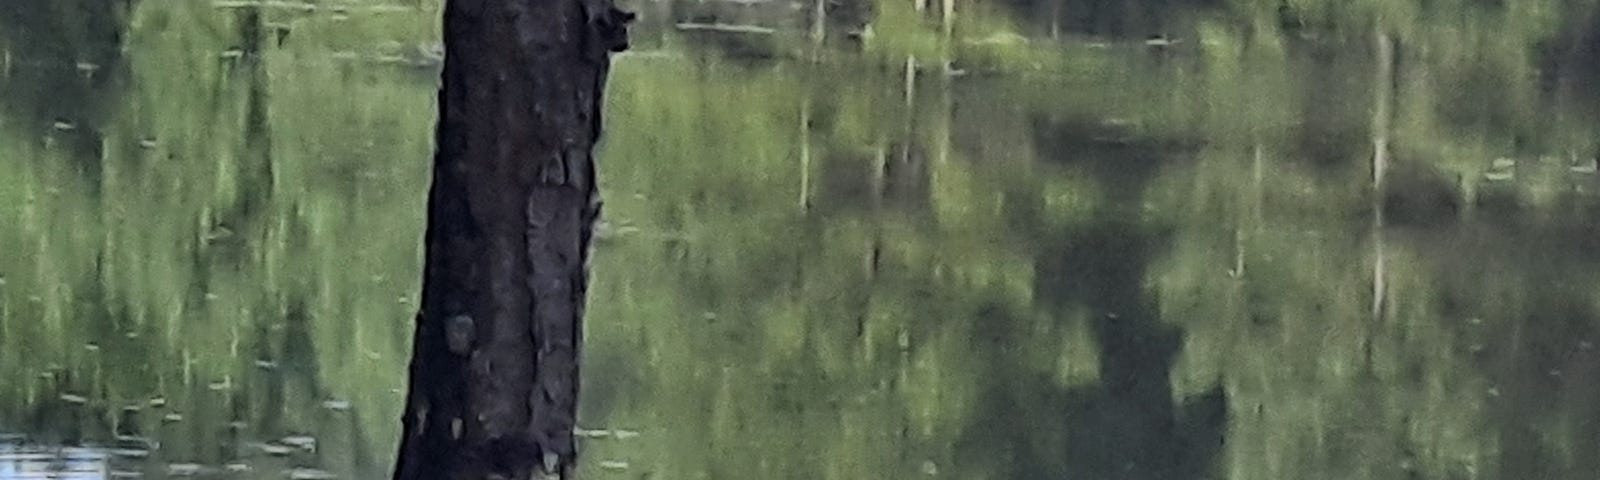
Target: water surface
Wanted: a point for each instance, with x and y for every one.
(1058, 258)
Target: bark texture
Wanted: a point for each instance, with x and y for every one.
(494, 370)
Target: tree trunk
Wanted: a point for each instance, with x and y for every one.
(494, 370)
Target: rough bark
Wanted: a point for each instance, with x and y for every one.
(494, 370)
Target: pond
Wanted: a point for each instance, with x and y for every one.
(1221, 254)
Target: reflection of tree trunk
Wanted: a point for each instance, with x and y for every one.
(880, 165)
(891, 145)
(945, 118)
(1253, 216)
(948, 16)
(805, 154)
(1257, 174)
(1055, 19)
(911, 82)
(941, 123)
(494, 372)
(270, 402)
(300, 354)
(819, 26)
(257, 156)
(1383, 92)
(908, 132)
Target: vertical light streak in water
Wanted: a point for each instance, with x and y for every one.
(1383, 86)
(805, 154)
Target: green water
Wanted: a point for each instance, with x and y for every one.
(1078, 258)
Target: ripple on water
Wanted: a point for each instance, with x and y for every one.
(275, 450)
(302, 441)
(602, 433)
(131, 453)
(302, 473)
(183, 469)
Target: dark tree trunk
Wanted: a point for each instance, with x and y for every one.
(494, 370)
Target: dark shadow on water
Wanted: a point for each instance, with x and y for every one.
(1127, 426)
(65, 73)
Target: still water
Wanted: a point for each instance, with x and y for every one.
(1071, 258)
